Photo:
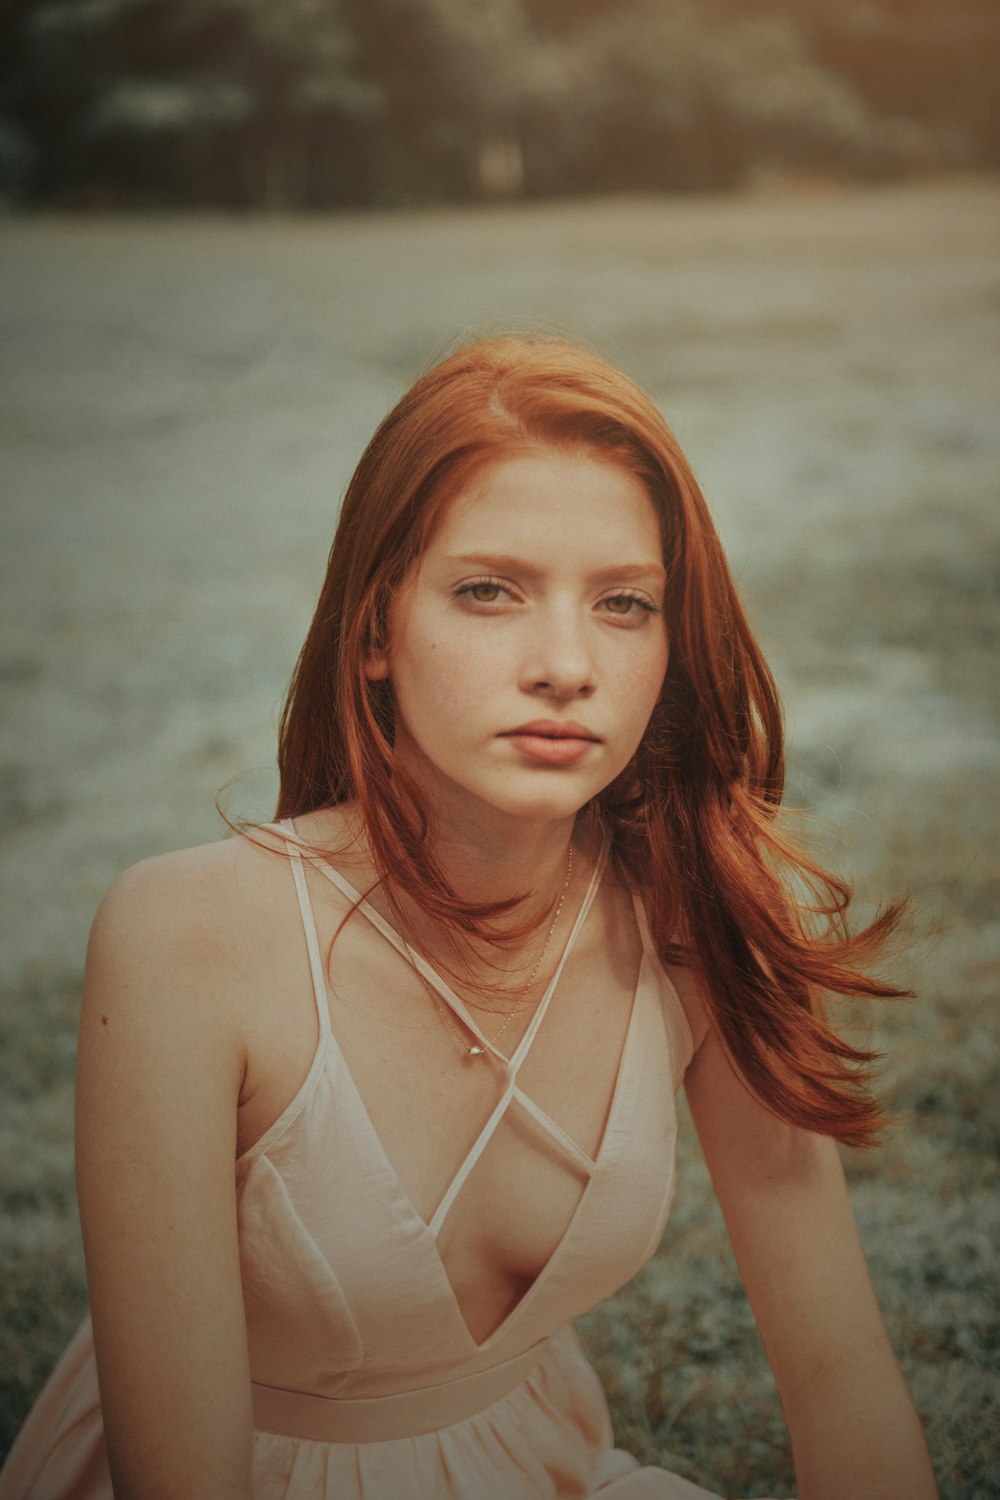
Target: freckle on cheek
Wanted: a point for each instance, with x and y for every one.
(104, 1020)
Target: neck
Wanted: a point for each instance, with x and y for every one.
(484, 871)
(520, 861)
(488, 856)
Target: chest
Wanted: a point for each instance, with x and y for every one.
(431, 1106)
(498, 1175)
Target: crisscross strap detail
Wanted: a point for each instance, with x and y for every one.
(512, 1090)
(511, 1065)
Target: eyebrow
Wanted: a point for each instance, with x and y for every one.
(500, 562)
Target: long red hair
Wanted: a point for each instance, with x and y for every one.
(691, 822)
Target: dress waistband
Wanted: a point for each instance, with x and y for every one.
(321, 1419)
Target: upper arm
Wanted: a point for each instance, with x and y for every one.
(159, 1072)
(784, 1198)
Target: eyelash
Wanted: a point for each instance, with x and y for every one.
(466, 590)
(644, 604)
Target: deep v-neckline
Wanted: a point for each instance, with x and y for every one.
(590, 1165)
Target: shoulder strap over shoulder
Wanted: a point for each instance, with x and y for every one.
(316, 967)
(684, 1007)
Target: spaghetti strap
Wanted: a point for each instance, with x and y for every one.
(287, 831)
(402, 947)
(430, 974)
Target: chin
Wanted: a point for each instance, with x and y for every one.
(541, 797)
(543, 807)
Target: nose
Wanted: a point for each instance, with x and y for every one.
(557, 659)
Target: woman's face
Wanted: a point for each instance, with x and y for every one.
(527, 645)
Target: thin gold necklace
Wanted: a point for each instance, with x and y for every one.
(476, 1049)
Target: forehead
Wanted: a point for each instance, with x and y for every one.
(534, 498)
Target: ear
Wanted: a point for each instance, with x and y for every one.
(376, 666)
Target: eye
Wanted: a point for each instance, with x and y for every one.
(483, 591)
(623, 604)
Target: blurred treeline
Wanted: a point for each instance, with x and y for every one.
(319, 103)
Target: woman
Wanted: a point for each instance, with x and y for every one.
(527, 877)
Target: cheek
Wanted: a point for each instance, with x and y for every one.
(642, 681)
(453, 660)
(437, 679)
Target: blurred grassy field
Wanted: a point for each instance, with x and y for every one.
(182, 402)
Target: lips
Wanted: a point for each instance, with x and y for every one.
(553, 729)
(550, 742)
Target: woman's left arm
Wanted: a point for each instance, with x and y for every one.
(854, 1429)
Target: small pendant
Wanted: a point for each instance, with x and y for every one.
(476, 1051)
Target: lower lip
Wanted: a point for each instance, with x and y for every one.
(550, 752)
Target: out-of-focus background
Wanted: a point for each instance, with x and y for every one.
(235, 231)
(319, 104)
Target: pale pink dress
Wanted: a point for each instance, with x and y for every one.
(368, 1384)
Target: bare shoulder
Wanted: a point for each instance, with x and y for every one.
(166, 889)
(190, 932)
(191, 895)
